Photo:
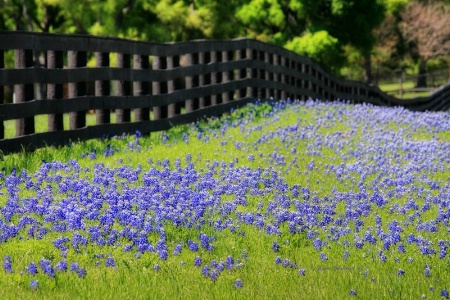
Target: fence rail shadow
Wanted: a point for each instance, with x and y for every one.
(162, 84)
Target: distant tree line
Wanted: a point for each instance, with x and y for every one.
(345, 36)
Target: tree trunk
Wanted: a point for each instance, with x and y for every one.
(422, 76)
(368, 78)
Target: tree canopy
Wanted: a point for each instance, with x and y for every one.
(332, 32)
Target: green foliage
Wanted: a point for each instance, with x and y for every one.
(394, 6)
(320, 46)
(273, 21)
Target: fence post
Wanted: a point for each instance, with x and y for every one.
(201, 79)
(249, 72)
(240, 73)
(55, 60)
(213, 77)
(2, 96)
(267, 74)
(141, 87)
(156, 88)
(77, 59)
(276, 90)
(225, 77)
(123, 88)
(189, 83)
(283, 78)
(24, 92)
(171, 108)
(102, 88)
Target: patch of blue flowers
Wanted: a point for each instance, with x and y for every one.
(377, 163)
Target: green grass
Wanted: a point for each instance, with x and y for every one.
(331, 133)
(392, 88)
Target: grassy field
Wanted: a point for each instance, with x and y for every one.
(303, 200)
(392, 88)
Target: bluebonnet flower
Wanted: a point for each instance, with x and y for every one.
(213, 275)
(442, 252)
(230, 262)
(318, 244)
(323, 256)
(275, 247)
(193, 246)
(32, 269)
(346, 254)
(244, 254)
(110, 262)
(163, 255)
(213, 263)
(178, 249)
(286, 262)
(427, 272)
(238, 283)
(278, 260)
(46, 267)
(81, 273)
(205, 271)
(197, 261)
(352, 292)
(400, 272)
(156, 267)
(7, 265)
(62, 266)
(302, 272)
(74, 267)
(444, 293)
(34, 284)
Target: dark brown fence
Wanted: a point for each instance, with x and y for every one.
(161, 84)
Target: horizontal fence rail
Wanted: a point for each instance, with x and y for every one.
(161, 84)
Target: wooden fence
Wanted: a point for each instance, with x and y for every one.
(161, 84)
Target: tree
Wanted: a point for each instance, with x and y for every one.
(320, 46)
(274, 21)
(296, 23)
(426, 26)
(351, 22)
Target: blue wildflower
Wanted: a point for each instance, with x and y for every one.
(7, 264)
(32, 269)
(346, 254)
(62, 266)
(205, 271)
(275, 247)
(213, 275)
(230, 262)
(110, 262)
(444, 293)
(81, 273)
(238, 283)
(74, 267)
(197, 261)
(34, 284)
(278, 260)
